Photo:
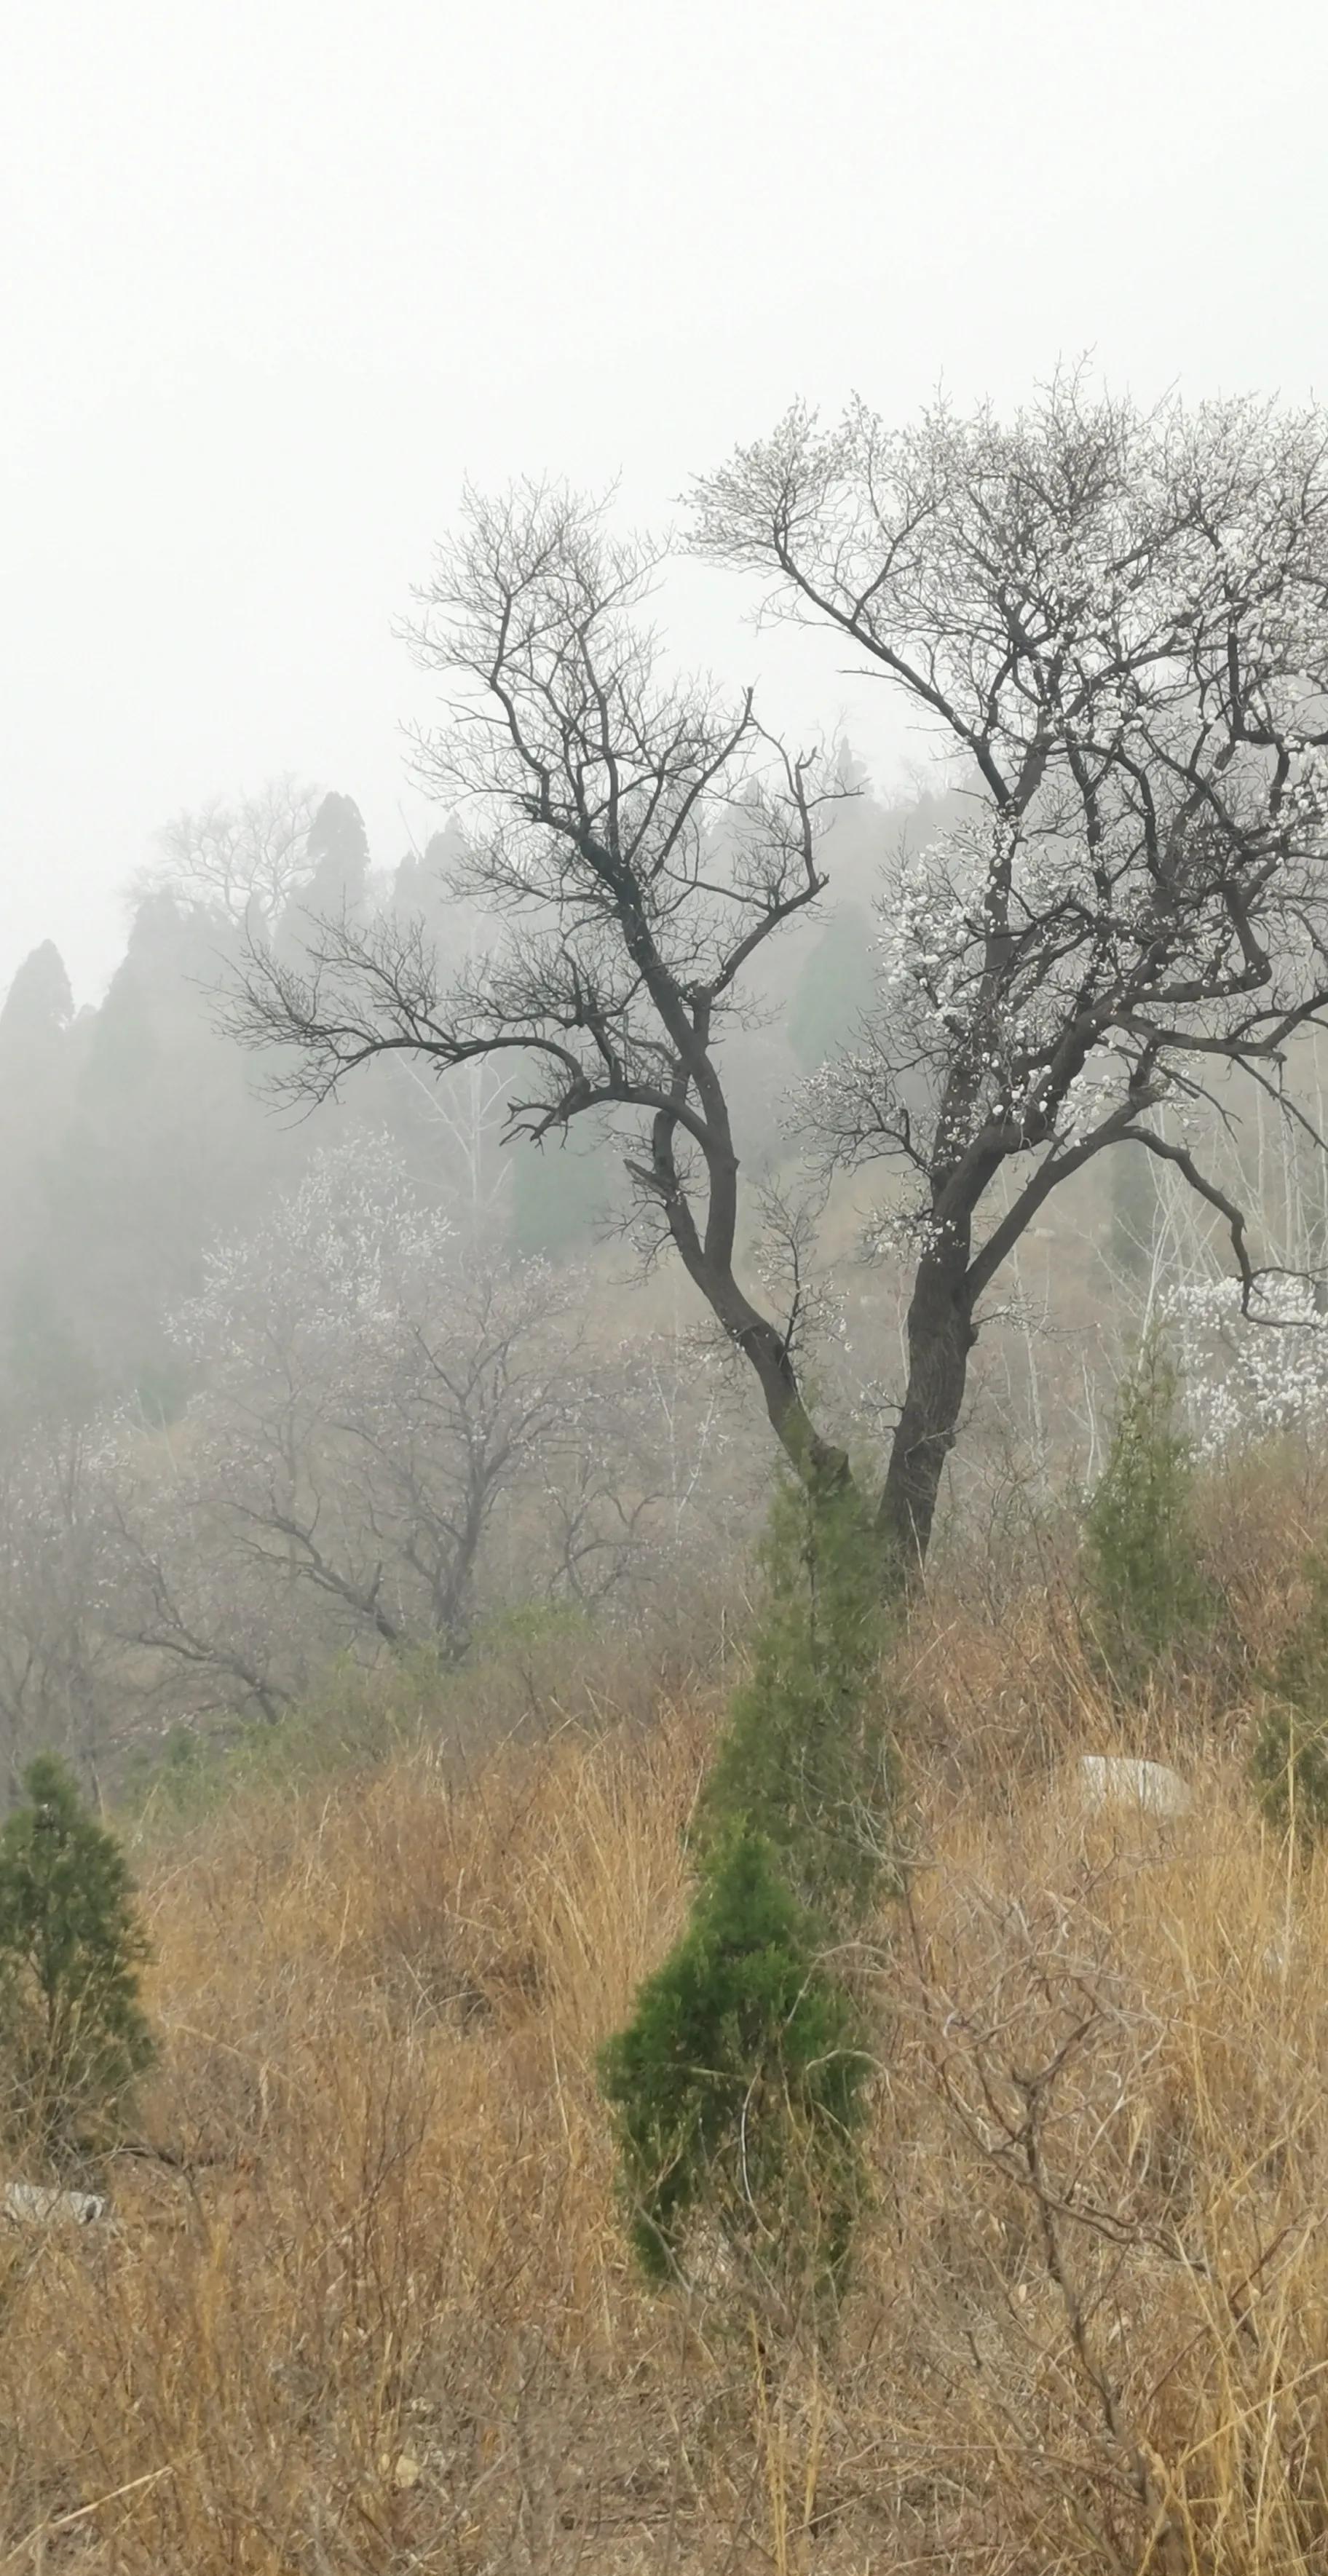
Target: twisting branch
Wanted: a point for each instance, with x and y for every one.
(1119, 619)
(644, 843)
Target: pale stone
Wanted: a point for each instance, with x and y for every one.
(1123, 1780)
(35, 2204)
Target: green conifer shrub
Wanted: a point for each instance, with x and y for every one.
(737, 2088)
(73, 2039)
(806, 1758)
(737, 2085)
(1147, 1592)
(1289, 1758)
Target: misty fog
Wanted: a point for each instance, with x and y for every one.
(663, 1288)
(278, 293)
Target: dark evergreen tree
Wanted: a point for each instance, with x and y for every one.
(806, 1758)
(445, 852)
(410, 884)
(850, 772)
(41, 1358)
(834, 991)
(167, 1144)
(557, 1199)
(339, 855)
(737, 2087)
(73, 2037)
(38, 1009)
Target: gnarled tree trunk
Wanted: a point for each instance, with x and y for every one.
(940, 1337)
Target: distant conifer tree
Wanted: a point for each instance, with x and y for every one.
(339, 854)
(39, 1005)
(834, 992)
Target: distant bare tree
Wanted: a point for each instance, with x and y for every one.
(602, 784)
(480, 1394)
(375, 1396)
(248, 858)
(465, 1119)
(211, 1636)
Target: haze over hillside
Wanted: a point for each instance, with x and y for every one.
(278, 283)
(663, 1289)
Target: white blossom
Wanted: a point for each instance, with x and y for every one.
(1250, 1376)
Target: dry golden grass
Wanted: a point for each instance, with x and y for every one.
(380, 2319)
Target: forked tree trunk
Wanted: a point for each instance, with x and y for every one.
(940, 1337)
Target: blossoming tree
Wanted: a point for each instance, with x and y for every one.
(1118, 619)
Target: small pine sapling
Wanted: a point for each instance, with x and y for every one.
(73, 2039)
(1147, 1592)
(806, 1758)
(737, 2090)
(738, 2083)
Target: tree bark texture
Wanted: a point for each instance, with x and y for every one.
(940, 1337)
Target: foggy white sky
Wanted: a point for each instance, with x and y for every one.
(276, 275)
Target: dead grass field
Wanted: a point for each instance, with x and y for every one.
(380, 2318)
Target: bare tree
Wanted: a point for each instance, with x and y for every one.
(386, 1437)
(602, 784)
(247, 858)
(468, 1119)
(210, 1636)
(480, 1392)
(1120, 621)
(373, 1399)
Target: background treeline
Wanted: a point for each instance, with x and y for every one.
(383, 1526)
(133, 1134)
(366, 1382)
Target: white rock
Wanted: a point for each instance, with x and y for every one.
(1122, 1780)
(35, 2204)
